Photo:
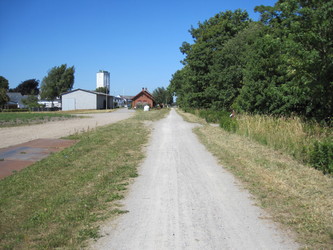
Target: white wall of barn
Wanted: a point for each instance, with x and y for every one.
(79, 100)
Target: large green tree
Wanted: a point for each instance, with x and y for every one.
(281, 65)
(28, 87)
(59, 80)
(180, 87)
(202, 77)
(306, 30)
(162, 96)
(4, 84)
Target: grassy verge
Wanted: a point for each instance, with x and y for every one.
(59, 201)
(306, 141)
(297, 196)
(292, 136)
(26, 118)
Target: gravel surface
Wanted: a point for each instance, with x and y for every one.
(183, 199)
(15, 135)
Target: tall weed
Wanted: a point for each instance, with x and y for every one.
(307, 142)
(321, 155)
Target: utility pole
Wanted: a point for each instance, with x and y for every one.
(106, 97)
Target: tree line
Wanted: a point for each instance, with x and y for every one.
(60, 79)
(280, 65)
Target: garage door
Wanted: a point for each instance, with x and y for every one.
(68, 104)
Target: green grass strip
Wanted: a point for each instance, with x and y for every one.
(24, 118)
(58, 202)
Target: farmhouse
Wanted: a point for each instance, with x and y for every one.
(85, 99)
(142, 99)
(15, 100)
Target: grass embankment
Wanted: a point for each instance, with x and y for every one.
(306, 141)
(26, 118)
(297, 196)
(58, 202)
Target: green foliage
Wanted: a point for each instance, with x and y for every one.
(281, 65)
(14, 117)
(321, 156)
(162, 96)
(28, 87)
(31, 101)
(198, 84)
(4, 84)
(3, 97)
(229, 124)
(59, 80)
(102, 90)
(221, 117)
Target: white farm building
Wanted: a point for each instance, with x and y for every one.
(85, 99)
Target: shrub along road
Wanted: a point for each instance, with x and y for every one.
(183, 199)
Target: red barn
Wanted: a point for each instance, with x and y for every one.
(143, 98)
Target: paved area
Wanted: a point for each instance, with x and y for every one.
(17, 157)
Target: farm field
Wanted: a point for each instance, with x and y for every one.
(11, 119)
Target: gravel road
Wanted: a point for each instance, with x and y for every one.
(16, 135)
(183, 199)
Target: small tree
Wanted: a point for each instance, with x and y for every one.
(31, 101)
(59, 80)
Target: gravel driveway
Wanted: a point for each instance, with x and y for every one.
(183, 199)
(16, 135)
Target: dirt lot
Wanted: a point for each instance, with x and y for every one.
(16, 135)
(183, 199)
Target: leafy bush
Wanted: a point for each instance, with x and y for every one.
(222, 117)
(229, 124)
(189, 110)
(211, 115)
(321, 156)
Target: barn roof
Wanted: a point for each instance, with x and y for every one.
(89, 91)
(144, 91)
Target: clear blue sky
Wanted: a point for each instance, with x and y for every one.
(136, 41)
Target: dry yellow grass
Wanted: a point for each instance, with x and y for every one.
(290, 135)
(297, 196)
